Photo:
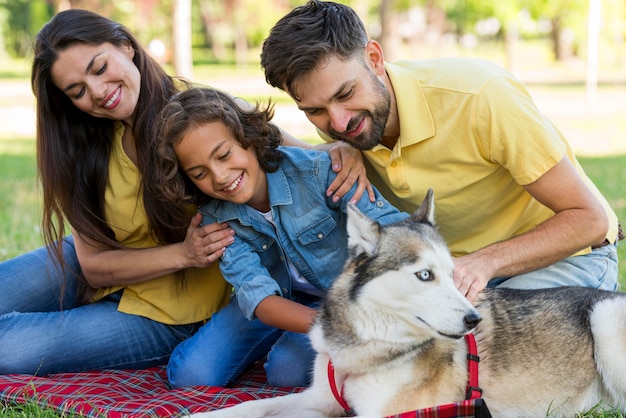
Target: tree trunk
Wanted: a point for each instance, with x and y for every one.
(239, 26)
(183, 62)
(556, 38)
(511, 38)
(387, 30)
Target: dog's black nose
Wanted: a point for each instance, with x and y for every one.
(472, 319)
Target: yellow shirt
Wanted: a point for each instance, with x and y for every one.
(162, 299)
(470, 131)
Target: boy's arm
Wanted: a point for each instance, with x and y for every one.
(285, 314)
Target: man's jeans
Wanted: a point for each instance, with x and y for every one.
(597, 270)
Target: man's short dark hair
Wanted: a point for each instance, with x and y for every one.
(308, 35)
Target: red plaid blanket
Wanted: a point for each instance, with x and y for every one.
(130, 393)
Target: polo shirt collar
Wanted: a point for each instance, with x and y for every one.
(416, 121)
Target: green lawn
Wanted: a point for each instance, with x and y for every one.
(609, 174)
(31, 410)
(20, 212)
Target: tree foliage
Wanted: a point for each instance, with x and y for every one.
(23, 19)
(229, 29)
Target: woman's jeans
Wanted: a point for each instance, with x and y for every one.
(44, 328)
(229, 343)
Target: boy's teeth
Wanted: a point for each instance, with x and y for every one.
(233, 185)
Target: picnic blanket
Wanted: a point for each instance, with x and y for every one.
(131, 393)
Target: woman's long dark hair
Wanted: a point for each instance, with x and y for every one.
(73, 148)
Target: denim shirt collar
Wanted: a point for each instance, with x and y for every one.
(279, 194)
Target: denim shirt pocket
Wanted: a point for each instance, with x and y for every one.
(321, 240)
(317, 231)
(324, 245)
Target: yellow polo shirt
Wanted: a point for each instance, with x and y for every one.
(162, 299)
(470, 131)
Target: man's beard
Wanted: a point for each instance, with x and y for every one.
(379, 116)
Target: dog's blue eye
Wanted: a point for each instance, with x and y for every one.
(424, 275)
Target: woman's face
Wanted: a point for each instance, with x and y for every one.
(101, 80)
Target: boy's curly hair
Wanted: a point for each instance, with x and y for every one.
(194, 107)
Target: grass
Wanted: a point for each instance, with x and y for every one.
(20, 211)
(601, 410)
(609, 175)
(31, 410)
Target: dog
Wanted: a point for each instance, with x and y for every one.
(393, 325)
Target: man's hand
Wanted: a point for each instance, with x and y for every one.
(347, 162)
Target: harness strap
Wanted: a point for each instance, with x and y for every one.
(333, 387)
(473, 390)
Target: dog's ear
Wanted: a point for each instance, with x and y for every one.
(426, 211)
(363, 233)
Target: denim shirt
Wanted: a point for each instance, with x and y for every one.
(310, 230)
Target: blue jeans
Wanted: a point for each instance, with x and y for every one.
(597, 270)
(45, 329)
(229, 343)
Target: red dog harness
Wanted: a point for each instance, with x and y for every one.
(473, 390)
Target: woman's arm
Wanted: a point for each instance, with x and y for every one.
(105, 266)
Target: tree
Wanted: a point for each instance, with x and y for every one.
(24, 19)
(562, 14)
(183, 62)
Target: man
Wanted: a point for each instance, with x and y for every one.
(512, 201)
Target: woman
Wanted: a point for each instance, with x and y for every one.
(123, 289)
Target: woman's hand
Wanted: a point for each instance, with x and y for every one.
(347, 162)
(205, 244)
(106, 266)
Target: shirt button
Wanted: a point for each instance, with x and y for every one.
(379, 203)
(284, 291)
(320, 236)
(264, 246)
(394, 163)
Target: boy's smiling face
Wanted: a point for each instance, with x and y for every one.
(221, 168)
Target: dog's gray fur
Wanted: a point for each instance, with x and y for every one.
(393, 322)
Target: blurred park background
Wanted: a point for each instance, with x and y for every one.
(570, 53)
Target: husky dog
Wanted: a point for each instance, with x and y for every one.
(393, 326)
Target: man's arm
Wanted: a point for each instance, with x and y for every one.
(579, 221)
